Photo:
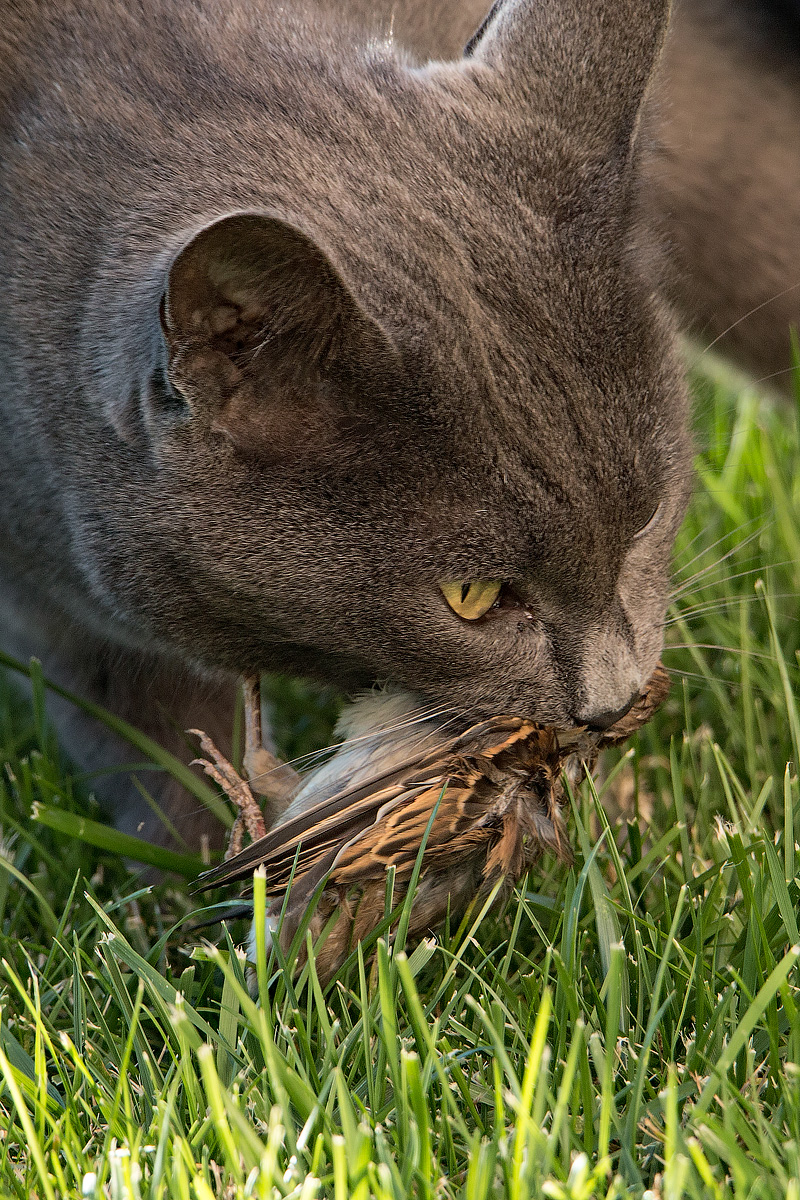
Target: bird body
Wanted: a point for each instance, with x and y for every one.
(486, 799)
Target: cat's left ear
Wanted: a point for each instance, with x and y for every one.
(265, 340)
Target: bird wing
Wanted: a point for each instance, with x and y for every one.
(321, 831)
(395, 838)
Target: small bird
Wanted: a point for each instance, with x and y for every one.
(489, 796)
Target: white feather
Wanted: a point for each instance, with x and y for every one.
(378, 735)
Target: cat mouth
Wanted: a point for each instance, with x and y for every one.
(635, 714)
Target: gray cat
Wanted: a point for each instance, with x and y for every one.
(298, 326)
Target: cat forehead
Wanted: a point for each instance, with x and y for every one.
(545, 486)
(429, 202)
(423, 187)
(377, 134)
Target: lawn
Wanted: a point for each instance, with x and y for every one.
(628, 1027)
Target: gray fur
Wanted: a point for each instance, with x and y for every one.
(445, 354)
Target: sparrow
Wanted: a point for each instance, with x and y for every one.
(487, 800)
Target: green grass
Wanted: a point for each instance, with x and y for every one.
(630, 1027)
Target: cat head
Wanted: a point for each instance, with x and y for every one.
(420, 367)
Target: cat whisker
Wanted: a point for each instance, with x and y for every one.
(736, 650)
(712, 682)
(744, 317)
(698, 585)
(705, 575)
(689, 614)
(705, 549)
(730, 533)
(718, 561)
(315, 757)
(414, 717)
(698, 679)
(772, 375)
(760, 570)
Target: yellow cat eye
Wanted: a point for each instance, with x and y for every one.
(471, 600)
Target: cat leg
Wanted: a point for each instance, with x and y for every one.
(159, 696)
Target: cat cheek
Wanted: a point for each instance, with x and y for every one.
(259, 438)
(275, 430)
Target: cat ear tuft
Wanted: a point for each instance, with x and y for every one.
(585, 64)
(261, 330)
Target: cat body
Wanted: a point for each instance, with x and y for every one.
(297, 325)
(723, 183)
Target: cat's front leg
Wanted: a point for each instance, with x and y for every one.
(160, 696)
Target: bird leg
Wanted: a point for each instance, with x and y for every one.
(265, 773)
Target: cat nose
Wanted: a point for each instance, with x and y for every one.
(611, 683)
(599, 722)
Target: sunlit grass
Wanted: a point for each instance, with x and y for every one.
(628, 1026)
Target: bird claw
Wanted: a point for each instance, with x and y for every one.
(248, 814)
(265, 773)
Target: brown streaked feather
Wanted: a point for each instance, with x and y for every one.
(387, 827)
(284, 839)
(396, 840)
(318, 841)
(470, 757)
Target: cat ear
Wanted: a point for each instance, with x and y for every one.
(264, 337)
(584, 64)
